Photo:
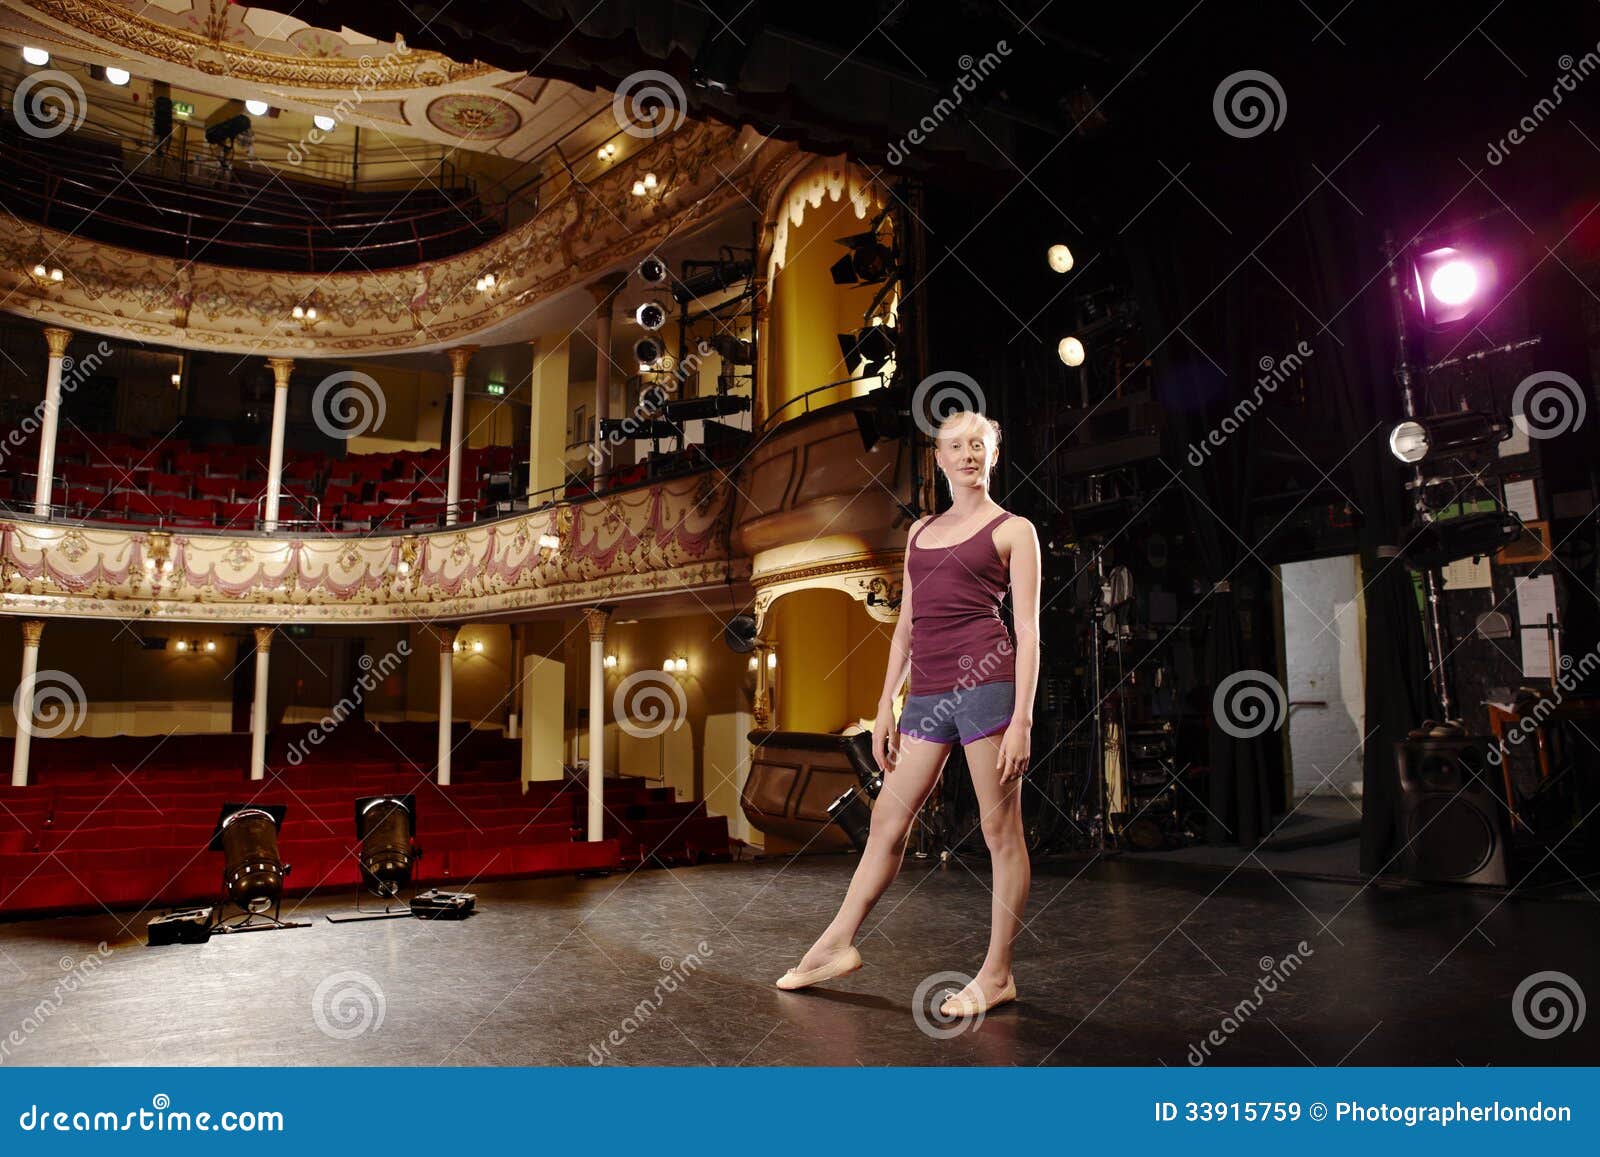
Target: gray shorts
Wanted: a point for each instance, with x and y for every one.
(964, 714)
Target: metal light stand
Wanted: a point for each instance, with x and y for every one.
(1432, 577)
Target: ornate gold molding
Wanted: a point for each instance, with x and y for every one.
(281, 369)
(397, 68)
(596, 618)
(263, 638)
(447, 638)
(57, 339)
(460, 357)
(32, 630)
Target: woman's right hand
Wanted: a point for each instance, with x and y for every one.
(885, 739)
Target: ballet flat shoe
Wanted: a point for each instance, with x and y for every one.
(845, 962)
(965, 1006)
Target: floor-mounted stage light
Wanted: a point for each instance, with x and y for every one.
(867, 261)
(1439, 435)
(252, 871)
(868, 348)
(1451, 284)
(650, 315)
(386, 826)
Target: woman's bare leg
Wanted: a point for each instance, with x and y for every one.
(1000, 806)
(905, 788)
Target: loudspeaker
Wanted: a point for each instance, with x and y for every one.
(1452, 820)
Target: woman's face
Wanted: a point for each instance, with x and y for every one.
(965, 458)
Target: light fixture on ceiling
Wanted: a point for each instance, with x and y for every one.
(607, 151)
(37, 57)
(118, 76)
(326, 123)
(256, 108)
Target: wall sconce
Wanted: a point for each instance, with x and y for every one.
(772, 660)
(607, 151)
(195, 646)
(678, 665)
(645, 184)
(306, 315)
(475, 647)
(549, 546)
(46, 277)
(486, 283)
(158, 552)
(408, 555)
(611, 662)
(753, 663)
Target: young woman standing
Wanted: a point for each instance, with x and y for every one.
(970, 683)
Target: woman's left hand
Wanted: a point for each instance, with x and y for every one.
(1015, 748)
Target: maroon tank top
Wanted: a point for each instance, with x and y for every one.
(958, 639)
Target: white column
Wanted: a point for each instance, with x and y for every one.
(57, 339)
(605, 293)
(281, 369)
(459, 357)
(597, 618)
(31, 630)
(447, 654)
(258, 707)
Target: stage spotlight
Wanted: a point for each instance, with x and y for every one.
(868, 348)
(386, 825)
(37, 57)
(653, 270)
(1070, 351)
(118, 76)
(256, 108)
(882, 419)
(1444, 540)
(1451, 284)
(735, 351)
(867, 262)
(650, 315)
(326, 124)
(740, 634)
(648, 351)
(252, 872)
(1436, 435)
(1060, 258)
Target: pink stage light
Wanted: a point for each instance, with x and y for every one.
(1451, 284)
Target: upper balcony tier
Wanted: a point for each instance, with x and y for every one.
(585, 225)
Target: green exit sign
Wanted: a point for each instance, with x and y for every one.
(182, 108)
(498, 389)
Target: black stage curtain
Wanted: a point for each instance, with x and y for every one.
(1355, 380)
(1198, 371)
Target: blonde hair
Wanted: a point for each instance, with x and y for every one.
(961, 422)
